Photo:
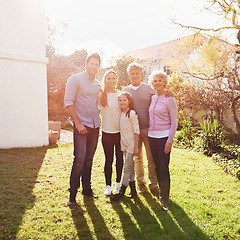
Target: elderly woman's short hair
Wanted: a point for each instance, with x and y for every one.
(158, 73)
(134, 65)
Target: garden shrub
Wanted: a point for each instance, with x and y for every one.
(185, 136)
(229, 159)
(209, 139)
(212, 137)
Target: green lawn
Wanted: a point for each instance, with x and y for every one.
(205, 202)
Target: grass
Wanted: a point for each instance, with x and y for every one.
(205, 201)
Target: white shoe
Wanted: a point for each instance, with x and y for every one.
(117, 188)
(108, 190)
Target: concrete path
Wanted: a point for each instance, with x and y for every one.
(65, 137)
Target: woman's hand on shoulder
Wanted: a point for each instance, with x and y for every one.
(100, 96)
(169, 93)
(100, 93)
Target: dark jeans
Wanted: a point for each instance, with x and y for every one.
(84, 148)
(109, 141)
(161, 161)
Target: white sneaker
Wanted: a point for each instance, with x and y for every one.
(117, 187)
(108, 190)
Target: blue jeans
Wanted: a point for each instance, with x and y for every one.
(161, 160)
(84, 148)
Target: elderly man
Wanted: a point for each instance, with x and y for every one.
(81, 96)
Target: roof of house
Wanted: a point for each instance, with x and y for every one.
(169, 50)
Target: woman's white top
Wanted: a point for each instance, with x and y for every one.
(158, 134)
(111, 114)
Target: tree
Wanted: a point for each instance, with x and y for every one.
(77, 60)
(216, 77)
(121, 69)
(197, 97)
(181, 90)
(225, 67)
(59, 69)
(229, 10)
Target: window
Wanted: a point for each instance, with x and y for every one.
(167, 70)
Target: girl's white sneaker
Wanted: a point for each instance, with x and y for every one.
(108, 190)
(117, 188)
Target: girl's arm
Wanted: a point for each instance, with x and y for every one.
(136, 131)
(136, 139)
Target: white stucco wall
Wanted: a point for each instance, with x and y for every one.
(199, 116)
(23, 81)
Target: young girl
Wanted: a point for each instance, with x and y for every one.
(129, 129)
(110, 113)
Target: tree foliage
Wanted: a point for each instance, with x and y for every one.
(219, 65)
(59, 69)
(121, 69)
(229, 10)
(181, 90)
(218, 71)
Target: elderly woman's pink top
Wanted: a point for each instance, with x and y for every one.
(163, 116)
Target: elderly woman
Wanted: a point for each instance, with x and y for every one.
(163, 125)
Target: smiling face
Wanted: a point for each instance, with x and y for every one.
(111, 80)
(159, 84)
(124, 102)
(135, 76)
(92, 67)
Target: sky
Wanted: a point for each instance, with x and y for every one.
(114, 27)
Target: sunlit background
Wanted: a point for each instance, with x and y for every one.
(115, 27)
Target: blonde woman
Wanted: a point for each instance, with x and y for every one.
(110, 113)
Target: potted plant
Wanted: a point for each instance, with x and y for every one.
(53, 137)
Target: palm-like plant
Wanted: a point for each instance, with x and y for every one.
(212, 136)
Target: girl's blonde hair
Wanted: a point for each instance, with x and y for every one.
(129, 97)
(104, 100)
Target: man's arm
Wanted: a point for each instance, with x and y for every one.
(79, 126)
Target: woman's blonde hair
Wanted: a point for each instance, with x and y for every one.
(104, 100)
(159, 74)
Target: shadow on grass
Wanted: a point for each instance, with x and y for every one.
(142, 224)
(81, 223)
(175, 223)
(19, 171)
(100, 228)
(84, 232)
(129, 228)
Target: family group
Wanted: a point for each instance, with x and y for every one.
(140, 114)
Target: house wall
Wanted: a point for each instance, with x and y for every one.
(23, 81)
(199, 116)
(151, 66)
